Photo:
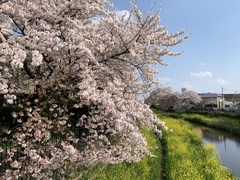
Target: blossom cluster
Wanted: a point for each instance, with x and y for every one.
(3, 88)
(36, 58)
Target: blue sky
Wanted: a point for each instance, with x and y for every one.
(211, 58)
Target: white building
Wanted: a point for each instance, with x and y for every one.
(212, 101)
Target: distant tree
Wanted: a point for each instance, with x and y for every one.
(162, 98)
(186, 101)
(86, 66)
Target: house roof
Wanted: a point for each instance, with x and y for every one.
(209, 95)
(232, 97)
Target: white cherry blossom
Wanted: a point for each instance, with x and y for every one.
(71, 67)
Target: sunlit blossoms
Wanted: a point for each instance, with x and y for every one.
(186, 101)
(164, 98)
(3, 88)
(36, 58)
(74, 71)
(18, 58)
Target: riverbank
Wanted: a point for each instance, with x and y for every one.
(186, 155)
(223, 122)
(227, 145)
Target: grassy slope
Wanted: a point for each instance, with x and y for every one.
(227, 123)
(224, 123)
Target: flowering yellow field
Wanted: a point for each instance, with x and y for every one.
(187, 157)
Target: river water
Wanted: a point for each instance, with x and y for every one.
(227, 145)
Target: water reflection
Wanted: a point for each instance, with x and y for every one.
(227, 145)
(212, 136)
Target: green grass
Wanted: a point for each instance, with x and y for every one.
(226, 123)
(147, 169)
(187, 157)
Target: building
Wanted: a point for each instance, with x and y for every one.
(183, 90)
(232, 97)
(232, 102)
(212, 101)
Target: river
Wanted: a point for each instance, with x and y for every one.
(227, 145)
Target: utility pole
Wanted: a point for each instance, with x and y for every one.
(222, 98)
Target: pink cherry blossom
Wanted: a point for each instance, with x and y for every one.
(72, 68)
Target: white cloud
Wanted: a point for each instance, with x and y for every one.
(186, 85)
(222, 81)
(163, 80)
(125, 13)
(95, 20)
(202, 74)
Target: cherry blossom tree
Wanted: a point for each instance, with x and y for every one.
(186, 101)
(162, 98)
(84, 64)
